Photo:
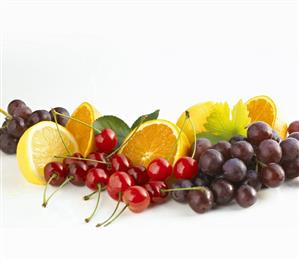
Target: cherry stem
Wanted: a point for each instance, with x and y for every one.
(87, 197)
(124, 143)
(182, 189)
(179, 136)
(113, 213)
(261, 163)
(97, 204)
(117, 216)
(80, 159)
(56, 123)
(8, 116)
(77, 120)
(58, 189)
(53, 176)
(194, 134)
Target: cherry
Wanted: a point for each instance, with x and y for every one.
(55, 174)
(154, 189)
(118, 183)
(106, 141)
(139, 174)
(77, 172)
(137, 198)
(97, 156)
(185, 168)
(119, 162)
(68, 160)
(159, 169)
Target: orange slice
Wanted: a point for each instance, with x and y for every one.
(83, 134)
(153, 139)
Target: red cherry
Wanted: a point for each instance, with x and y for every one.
(77, 172)
(139, 174)
(159, 169)
(119, 182)
(96, 176)
(185, 168)
(137, 198)
(154, 189)
(119, 162)
(96, 156)
(55, 168)
(67, 161)
(106, 141)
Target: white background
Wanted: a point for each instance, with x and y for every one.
(129, 58)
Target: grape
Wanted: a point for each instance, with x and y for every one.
(236, 138)
(259, 131)
(234, 170)
(8, 144)
(60, 119)
(16, 127)
(210, 162)
(224, 148)
(15, 104)
(291, 168)
(201, 181)
(246, 196)
(181, 195)
(293, 127)
(223, 191)
(272, 175)
(275, 136)
(294, 135)
(269, 151)
(201, 200)
(23, 112)
(202, 144)
(290, 149)
(242, 150)
(252, 179)
(38, 116)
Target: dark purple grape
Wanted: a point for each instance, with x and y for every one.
(242, 150)
(234, 170)
(291, 168)
(211, 162)
(275, 136)
(15, 104)
(201, 181)
(269, 151)
(293, 127)
(224, 148)
(252, 179)
(258, 132)
(16, 127)
(246, 196)
(236, 138)
(290, 149)
(60, 119)
(202, 144)
(294, 135)
(251, 165)
(201, 200)
(8, 144)
(223, 191)
(272, 175)
(38, 116)
(23, 112)
(181, 195)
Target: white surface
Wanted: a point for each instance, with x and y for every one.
(129, 59)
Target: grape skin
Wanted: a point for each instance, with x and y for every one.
(201, 200)
(234, 170)
(269, 151)
(272, 175)
(242, 150)
(224, 148)
(210, 162)
(246, 196)
(223, 191)
(202, 144)
(290, 149)
(16, 127)
(258, 132)
(293, 127)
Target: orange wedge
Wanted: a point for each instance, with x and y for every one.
(83, 134)
(263, 108)
(153, 139)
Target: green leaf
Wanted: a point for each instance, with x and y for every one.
(147, 117)
(213, 138)
(116, 124)
(224, 123)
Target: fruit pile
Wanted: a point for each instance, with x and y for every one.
(212, 156)
(19, 117)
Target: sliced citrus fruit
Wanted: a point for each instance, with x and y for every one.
(82, 133)
(198, 114)
(281, 127)
(262, 108)
(38, 146)
(153, 139)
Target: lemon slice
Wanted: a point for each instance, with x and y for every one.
(153, 139)
(38, 146)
